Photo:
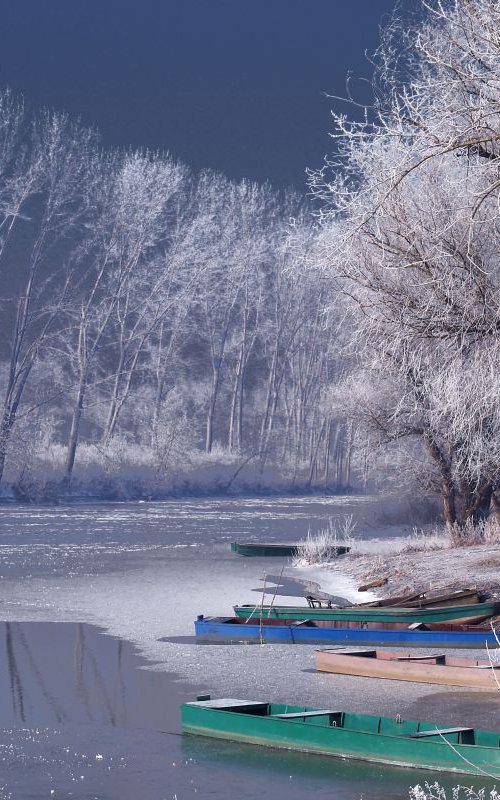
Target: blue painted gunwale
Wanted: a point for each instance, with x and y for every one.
(224, 629)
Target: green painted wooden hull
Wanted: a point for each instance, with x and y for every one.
(264, 550)
(463, 614)
(337, 733)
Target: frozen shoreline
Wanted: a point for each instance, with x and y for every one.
(144, 571)
(421, 570)
(334, 579)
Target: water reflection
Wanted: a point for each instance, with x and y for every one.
(80, 718)
(15, 682)
(62, 672)
(324, 777)
(349, 778)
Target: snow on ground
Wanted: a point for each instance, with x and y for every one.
(333, 579)
(420, 570)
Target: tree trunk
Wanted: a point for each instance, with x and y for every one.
(314, 454)
(449, 504)
(113, 406)
(495, 507)
(448, 493)
(328, 449)
(209, 436)
(75, 428)
(234, 436)
(239, 410)
(350, 449)
(5, 431)
(270, 384)
(15, 389)
(161, 376)
(479, 505)
(339, 454)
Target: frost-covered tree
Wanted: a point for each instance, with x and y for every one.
(157, 188)
(45, 171)
(151, 314)
(413, 218)
(118, 301)
(232, 245)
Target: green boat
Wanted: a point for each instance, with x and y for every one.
(265, 549)
(466, 614)
(384, 740)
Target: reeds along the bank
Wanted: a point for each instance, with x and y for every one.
(322, 546)
(433, 791)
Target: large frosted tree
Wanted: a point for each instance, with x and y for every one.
(413, 219)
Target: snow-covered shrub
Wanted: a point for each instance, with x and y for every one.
(438, 537)
(322, 546)
(433, 791)
(474, 532)
(422, 539)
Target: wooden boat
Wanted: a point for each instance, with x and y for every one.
(320, 599)
(265, 549)
(428, 600)
(383, 740)
(400, 666)
(236, 629)
(466, 614)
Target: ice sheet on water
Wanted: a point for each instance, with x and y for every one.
(149, 604)
(128, 569)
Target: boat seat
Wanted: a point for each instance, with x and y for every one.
(437, 658)
(317, 602)
(441, 732)
(343, 651)
(297, 714)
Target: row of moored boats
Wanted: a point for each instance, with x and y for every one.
(463, 619)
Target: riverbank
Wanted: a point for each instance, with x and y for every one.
(405, 570)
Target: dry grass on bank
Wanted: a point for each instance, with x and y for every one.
(431, 560)
(321, 547)
(439, 537)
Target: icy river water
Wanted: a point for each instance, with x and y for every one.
(97, 653)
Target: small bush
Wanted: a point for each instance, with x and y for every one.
(473, 533)
(466, 535)
(322, 546)
(421, 540)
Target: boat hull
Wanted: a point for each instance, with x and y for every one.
(424, 600)
(233, 629)
(395, 665)
(265, 550)
(465, 614)
(334, 733)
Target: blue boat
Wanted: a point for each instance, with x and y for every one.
(236, 629)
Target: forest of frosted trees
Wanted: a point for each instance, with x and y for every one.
(159, 328)
(163, 330)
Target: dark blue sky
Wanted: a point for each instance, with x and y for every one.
(233, 85)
